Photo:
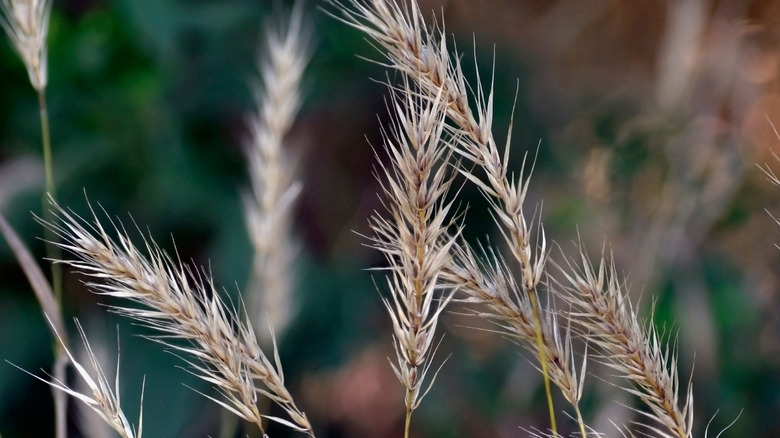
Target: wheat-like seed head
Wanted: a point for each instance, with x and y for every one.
(635, 350)
(27, 24)
(268, 208)
(415, 237)
(410, 47)
(423, 55)
(180, 302)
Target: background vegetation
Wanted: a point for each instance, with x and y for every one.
(651, 121)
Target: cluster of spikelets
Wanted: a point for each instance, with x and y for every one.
(437, 139)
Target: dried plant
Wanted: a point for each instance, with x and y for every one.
(441, 130)
(181, 303)
(27, 24)
(415, 238)
(422, 54)
(410, 47)
(635, 350)
(275, 188)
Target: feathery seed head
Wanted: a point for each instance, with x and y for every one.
(27, 24)
(274, 188)
(180, 302)
(415, 237)
(633, 349)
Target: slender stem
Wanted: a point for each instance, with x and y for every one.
(408, 421)
(60, 397)
(580, 421)
(46, 140)
(53, 252)
(543, 360)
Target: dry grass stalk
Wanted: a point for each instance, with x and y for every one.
(182, 303)
(423, 55)
(27, 24)
(101, 398)
(268, 208)
(607, 318)
(415, 238)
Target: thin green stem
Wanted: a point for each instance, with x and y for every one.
(580, 421)
(408, 421)
(46, 140)
(53, 252)
(543, 360)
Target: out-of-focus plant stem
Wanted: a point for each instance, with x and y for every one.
(53, 252)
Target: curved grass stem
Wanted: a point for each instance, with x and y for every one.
(543, 360)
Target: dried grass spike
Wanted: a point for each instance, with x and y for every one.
(27, 24)
(635, 350)
(182, 303)
(415, 234)
(269, 206)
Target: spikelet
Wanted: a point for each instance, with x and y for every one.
(27, 24)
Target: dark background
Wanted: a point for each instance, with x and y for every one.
(652, 119)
